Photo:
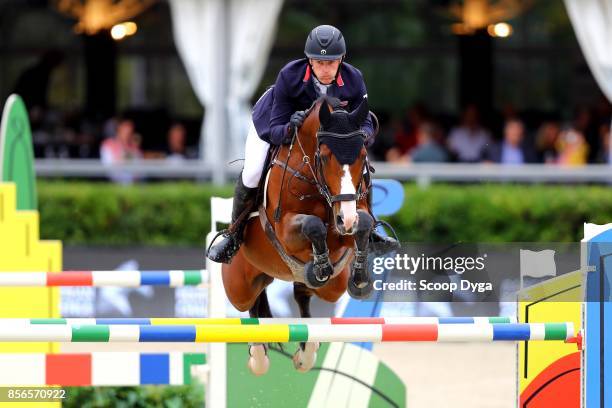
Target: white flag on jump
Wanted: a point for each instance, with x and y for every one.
(538, 264)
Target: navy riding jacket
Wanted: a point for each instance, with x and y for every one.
(294, 90)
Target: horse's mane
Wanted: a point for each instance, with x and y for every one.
(332, 101)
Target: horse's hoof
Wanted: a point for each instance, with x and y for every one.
(258, 363)
(311, 278)
(361, 290)
(304, 360)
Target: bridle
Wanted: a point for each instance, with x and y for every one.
(318, 176)
(320, 179)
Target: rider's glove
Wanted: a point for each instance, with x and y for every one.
(297, 119)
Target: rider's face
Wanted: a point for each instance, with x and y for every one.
(325, 71)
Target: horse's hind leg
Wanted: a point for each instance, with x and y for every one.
(306, 355)
(243, 282)
(259, 363)
(261, 308)
(302, 295)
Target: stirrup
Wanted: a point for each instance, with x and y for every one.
(229, 250)
(386, 244)
(385, 224)
(225, 234)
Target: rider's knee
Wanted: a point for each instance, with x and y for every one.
(250, 178)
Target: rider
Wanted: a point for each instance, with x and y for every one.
(282, 108)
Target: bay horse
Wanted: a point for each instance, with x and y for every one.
(313, 226)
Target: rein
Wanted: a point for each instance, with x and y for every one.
(286, 166)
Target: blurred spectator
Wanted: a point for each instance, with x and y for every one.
(572, 148)
(427, 149)
(406, 135)
(136, 144)
(177, 135)
(384, 140)
(546, 141)
(583, 124)
(603, 156)
(109, 129)
(121, 148)
(468, 141)
(512, 149)
(602, 111)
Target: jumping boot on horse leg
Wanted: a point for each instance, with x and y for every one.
(318, 271)
(244, 198)
(360, 283)
(380, 244)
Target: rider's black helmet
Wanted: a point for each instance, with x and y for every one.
(325, 42)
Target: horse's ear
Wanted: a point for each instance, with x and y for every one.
(359, 115)
(324, 115)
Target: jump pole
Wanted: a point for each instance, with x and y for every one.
(283, 333)
(181, 321)
(115, 279)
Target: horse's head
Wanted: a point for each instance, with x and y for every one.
(340, 159)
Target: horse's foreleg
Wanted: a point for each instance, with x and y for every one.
(306, 355)
(318, 271)
(360, 281)
(258, 362)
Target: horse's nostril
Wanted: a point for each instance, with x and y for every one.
(339, 220)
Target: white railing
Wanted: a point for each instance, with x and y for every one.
(424, 174)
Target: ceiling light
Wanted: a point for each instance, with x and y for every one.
(118, 32)
(130, 27)
(502, 30)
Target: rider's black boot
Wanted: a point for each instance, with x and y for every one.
(244, 198)
(379, 243)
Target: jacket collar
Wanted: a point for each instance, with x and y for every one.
(307, 74)
(339, 79)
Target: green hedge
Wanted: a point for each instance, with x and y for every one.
(178, 213)
(186, 396)
(501, 213)
(102, 213)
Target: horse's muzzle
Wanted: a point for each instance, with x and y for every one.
(346, 221)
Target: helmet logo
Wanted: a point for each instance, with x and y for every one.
(323, 52)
